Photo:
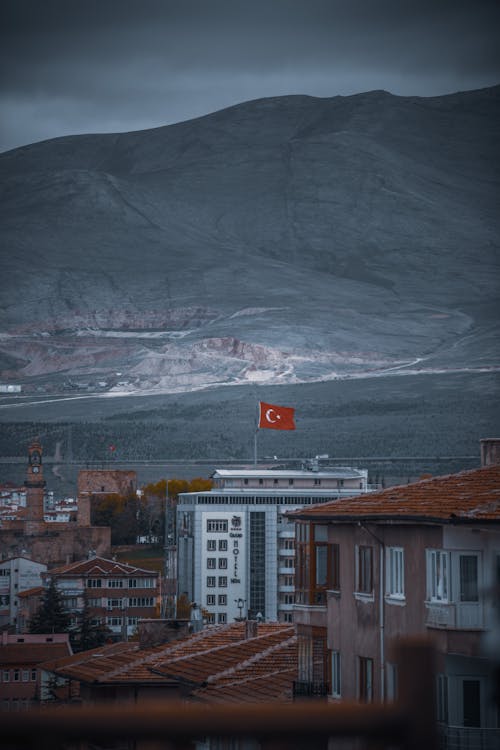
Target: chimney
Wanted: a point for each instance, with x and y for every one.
(250, 629)
(490, 451)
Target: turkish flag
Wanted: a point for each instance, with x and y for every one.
(276, 417)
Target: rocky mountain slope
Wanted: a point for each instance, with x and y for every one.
(278, 241)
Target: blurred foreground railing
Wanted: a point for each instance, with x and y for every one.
(409, 723)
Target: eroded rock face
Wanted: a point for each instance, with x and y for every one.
(282, 240)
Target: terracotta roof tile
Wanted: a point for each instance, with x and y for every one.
(99, 566)
(32, 653)
(197, 659)
(466, 496)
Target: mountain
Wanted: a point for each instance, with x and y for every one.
(282, 240)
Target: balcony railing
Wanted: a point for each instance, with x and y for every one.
(454, 615)
(303, 689)
(468, 738)
(409, 723)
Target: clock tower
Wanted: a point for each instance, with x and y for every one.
(35, 490)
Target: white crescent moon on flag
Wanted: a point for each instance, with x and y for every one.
(268, 416)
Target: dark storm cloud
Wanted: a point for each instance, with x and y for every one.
(86, 66)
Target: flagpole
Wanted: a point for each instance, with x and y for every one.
(255, 438)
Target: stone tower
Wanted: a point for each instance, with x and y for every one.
(35, 490)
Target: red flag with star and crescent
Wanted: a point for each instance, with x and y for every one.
(275, 417)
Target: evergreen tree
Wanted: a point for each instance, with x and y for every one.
(51, 616)
(89, 634)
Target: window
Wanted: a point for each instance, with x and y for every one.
(6, 675)
(222, 617)
(334, 577)
(132, 583)
(132, 620)
(223, 545)
(223, 582)
(468, 571)
(222, 600)
(217, 525)
(364, 570)
(211, 563)
(290, 481)
(26, 675)
(365, 679)
(114, 622)
(94, 583)
(442, 698)
(437, 575)
(115, 583)
(395, 575)
(17, 675)
(317, 481)
(223, 563)
(391, 673)
(114, 602)
(33, 675)
(211, 545)
(210, 618)
(210, 600)
(141, 601)
(210, 582)
(336, 674)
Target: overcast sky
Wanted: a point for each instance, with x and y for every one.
(82, 66)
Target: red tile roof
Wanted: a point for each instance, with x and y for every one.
(100, 566)
(465, 497)
(215, 659)
(32, 653)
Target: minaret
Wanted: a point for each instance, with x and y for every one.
(35, 486)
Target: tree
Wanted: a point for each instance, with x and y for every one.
(51, 616)
(89, 634)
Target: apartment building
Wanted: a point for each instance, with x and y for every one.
(116, 594)
(235, 545)
(21, 679)
(411, 560)
(17, 574)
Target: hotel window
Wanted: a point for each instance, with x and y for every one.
(223, 545)
(223, 563)
(364, 571)
(437, 575)
(210, 600)
(216, 525)
(365, 679)
(336, 674)
(222, 600)
(210, 582)
(223, 582)
(395, 575)
(211, 563)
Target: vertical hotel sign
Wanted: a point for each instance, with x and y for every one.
(236, 544)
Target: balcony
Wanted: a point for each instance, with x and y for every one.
(454, 616)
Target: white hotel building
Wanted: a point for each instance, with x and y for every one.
(236, 548)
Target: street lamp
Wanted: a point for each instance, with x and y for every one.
(240, 603)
